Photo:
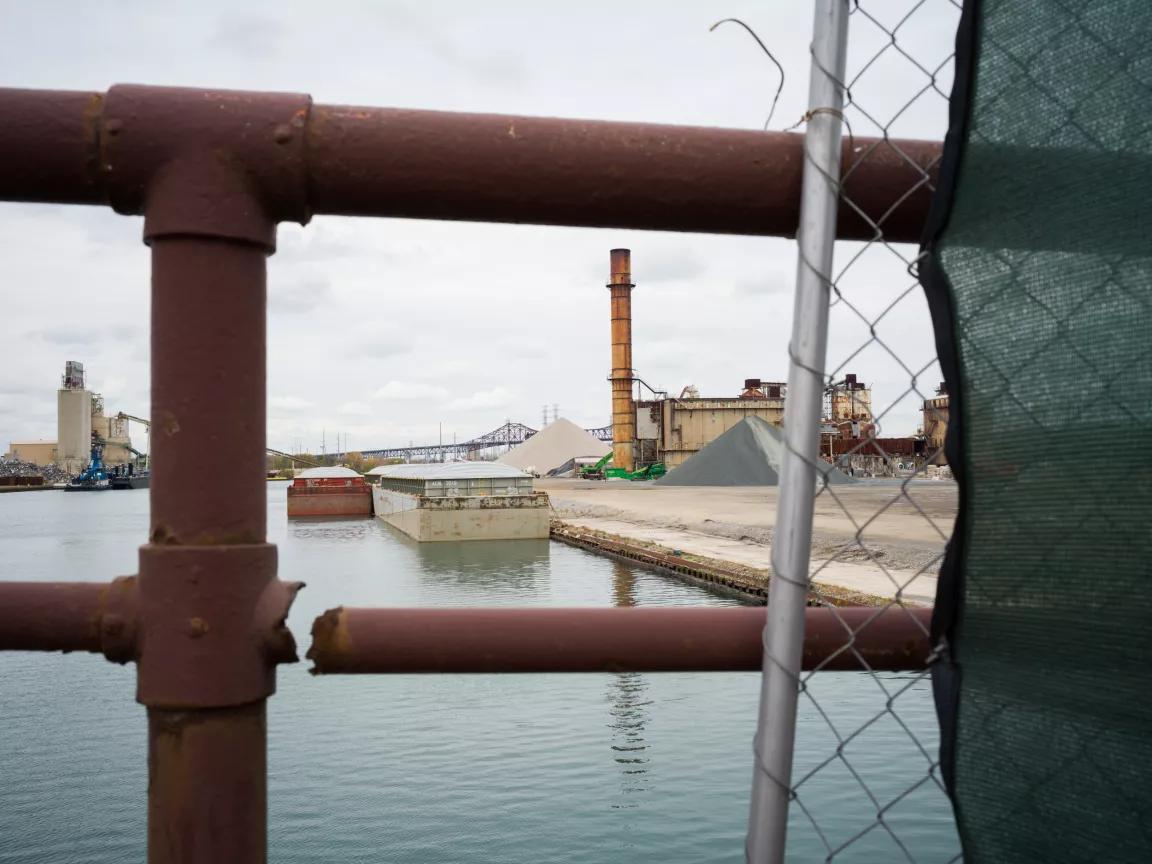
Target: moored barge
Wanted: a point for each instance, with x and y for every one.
(460, 501)
(329, 491)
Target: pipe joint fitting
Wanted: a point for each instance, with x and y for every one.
(218, 163)
(212, 625)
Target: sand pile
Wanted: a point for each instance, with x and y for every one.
(552, 446)
(748, 454)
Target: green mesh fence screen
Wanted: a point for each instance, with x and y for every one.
(1039, 272)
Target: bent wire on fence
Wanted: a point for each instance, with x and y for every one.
(768, 54)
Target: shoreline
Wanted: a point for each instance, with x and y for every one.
(727, 577)
(871, 544)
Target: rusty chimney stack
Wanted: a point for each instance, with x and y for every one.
(623, 410)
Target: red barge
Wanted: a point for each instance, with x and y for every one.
(329, 492)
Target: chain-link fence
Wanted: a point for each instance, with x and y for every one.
(865, 780)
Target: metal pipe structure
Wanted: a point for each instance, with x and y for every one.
(642, 639)
(206, 788)
(623, 408)
(214, 172)
(480, 167)
(70, 616)
(200, 285)
(788, 589)
(51, 616)
(210, 617)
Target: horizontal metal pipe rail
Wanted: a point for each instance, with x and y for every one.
(101, 617)
(480, 167)
(642, 639)
(65, 616)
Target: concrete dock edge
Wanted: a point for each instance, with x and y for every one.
(748, 584)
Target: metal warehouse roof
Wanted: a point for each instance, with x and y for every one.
(449, 471)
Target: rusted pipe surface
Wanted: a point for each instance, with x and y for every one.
(49, 146)
(226, 164)
(207, 786)
(212, 625)
(644, 639)
(69, 616)
(208, 392)
(496, 168)
(51, 616)
(84, 148)
(211, 607)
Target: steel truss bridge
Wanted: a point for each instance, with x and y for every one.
(508, 435)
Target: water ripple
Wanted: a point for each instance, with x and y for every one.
(414, 769)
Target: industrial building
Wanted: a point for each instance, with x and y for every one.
(670, 429)
(848, 407)
(936, 425)
(33, 452)
(73, 419)
(80, 421)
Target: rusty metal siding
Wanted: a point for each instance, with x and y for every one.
(623, 408)
(907, 447)
(936, 427)
(692, 424)
(852, 404)
(647, 421)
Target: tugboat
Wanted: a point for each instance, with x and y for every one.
(94, 478)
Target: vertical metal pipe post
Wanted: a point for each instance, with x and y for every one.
(207, 785)
(208, 391)
(207, 791)
(784, 631)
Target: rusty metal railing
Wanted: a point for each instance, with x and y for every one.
(213, 172)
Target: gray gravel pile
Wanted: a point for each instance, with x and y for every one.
(19, 468)
(748, 454)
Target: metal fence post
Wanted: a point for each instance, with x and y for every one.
(213, 174)
(784, 633)
(206, 765)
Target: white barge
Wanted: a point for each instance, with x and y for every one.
(460, 501)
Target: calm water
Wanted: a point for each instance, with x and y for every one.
(588, 768)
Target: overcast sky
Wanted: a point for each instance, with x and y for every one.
(383, 329)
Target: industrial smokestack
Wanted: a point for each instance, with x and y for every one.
(623, 410)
